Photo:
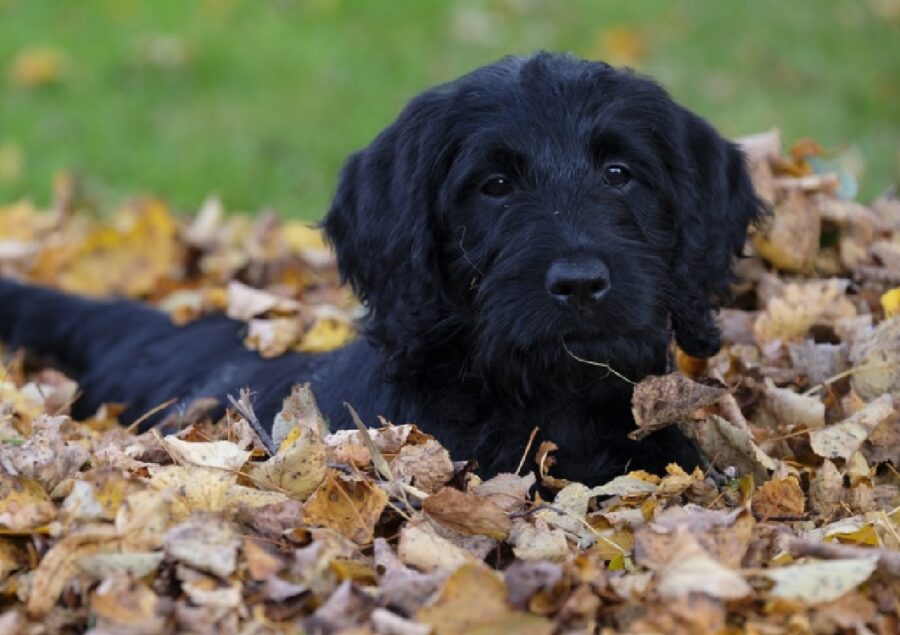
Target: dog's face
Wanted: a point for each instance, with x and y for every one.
(544, 209)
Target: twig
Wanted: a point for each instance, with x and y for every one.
(245, 408)
(531, 437)
(609, 369)
(847, 373)
(137, 422)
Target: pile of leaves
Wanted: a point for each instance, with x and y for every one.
(794, 525)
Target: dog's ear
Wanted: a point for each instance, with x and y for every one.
(714, 204)
(382, 219)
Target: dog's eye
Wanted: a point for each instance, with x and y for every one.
(616, 175)
(497, 186)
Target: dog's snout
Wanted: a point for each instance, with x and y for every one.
(579, 281)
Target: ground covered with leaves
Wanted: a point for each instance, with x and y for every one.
(793, 527)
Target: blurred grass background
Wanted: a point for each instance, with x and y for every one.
(261, 101)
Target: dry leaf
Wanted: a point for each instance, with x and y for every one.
(422, 548)
(61, 563)
(840, 440)
(789, 316)
(507, 491)
(427, 466)
(659, 401)
(690, 569)
(538, 541)
(24, 504)
(46, 457)
(792, 408)
(790, 240)
(876, 361)
(727, 445)
(299, 410)
(245, 302)
(349, 506)
(297, 469)
(467, 513)
(820, 581)
(473, 600)
(122, 604)
(205, 542)
(779, 497)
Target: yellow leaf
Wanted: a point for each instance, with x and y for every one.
(23, 503)
(350, 507)
(128, 256)
(297, 469)
(327, 333)
(890, 302)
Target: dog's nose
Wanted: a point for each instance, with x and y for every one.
(578, 282)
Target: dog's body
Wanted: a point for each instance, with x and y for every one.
(523, 238)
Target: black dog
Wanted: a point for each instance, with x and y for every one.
(523, 238)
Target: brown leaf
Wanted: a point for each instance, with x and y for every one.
(659, 401)
(426, 466)
(122, 604)
(467, 513)
(779, 497)
(350, 507)
(727, 445)
(507, 491)
(723, 535)
(826, 489)
(473, 600)
(790, 240)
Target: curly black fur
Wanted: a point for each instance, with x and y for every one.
(462, 335)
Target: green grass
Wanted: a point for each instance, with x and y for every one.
(275, 94)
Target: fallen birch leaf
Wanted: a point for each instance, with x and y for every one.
(840, 440)
(819, 582)
(690, 569)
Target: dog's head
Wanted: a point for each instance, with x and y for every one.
(544, 208)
